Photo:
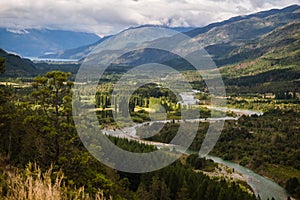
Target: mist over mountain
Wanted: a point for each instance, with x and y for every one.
(230, 34)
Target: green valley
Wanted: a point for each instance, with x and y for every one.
(42, 156)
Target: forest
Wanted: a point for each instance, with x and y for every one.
(40, 147)
(267, 144)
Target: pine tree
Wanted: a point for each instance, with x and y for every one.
(2, 65)
(183, 193)
(53, 95)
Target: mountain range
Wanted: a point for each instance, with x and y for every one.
(241, 46)
(39, 42)
(230, 34)
(81, 52)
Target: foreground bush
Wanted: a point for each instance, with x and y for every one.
(32, 184)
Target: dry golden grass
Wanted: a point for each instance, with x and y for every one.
(35, 185)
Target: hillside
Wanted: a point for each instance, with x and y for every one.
(284, 38)
(246, 27)
(15, 66)
(279, 47)
(268, 64)
(271, 58)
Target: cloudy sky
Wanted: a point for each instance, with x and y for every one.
(110, 16)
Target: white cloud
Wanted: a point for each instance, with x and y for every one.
(110, 16)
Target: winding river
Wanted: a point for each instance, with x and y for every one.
(261, 186)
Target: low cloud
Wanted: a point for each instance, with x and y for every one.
(110, 16)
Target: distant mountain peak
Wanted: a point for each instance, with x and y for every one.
(175, 28)
(291, 8)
